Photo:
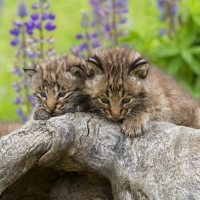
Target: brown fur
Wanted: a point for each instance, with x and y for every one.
(57, 75)
(120, 73)
(8, 127)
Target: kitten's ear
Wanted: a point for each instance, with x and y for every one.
(139, 68)
(30, 72)
(78, 71)
(93, 68)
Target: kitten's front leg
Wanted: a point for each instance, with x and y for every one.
(41, 114)
(134, 127)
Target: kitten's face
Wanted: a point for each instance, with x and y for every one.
(117, 83)
(57, 83)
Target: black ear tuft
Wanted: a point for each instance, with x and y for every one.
(94, 67)
(78, 71)
(30, 72)
(139, 68)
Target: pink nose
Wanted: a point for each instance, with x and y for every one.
(115, 116)
(51, 109)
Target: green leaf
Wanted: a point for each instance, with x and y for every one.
(191, 61)
(174, 65)
(167, 52)
(196, 19)
(195, 50)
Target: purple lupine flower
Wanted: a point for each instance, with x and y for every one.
(168, 9)
(79, 36)
(50, 40)
(47, 5)
(122, 20)
(160, 4)
(103, 25)
(15, 31)
(30, 53)
(17, 23)
(35, 16)
(107, 28)
(44, 16)
(24, 83)
(49, 26)
(94, 35)
(16, 70)
(14, 42)
(96, 44)
(29, 27)
(30, 24)
(20, 113)
(50, 52)
(29, 48)
(16, 87)
(22, 9)
(18, 99)
(37, 25)
(51, 16)
(29, 31)
(122, 10)
(38, 53)
(88, 36)
(31, 99)
(24, 118)
(121, 3)
(162, 32)
(17, 53)
(83, 46)
(35, 5)
(173, 9)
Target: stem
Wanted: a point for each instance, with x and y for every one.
(25, 66)
(41, 33)
(114, 13)
(86, 25)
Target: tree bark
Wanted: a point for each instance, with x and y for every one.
(82, 156)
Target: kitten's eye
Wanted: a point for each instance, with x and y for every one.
(105, 100)
(126, 100)
(43, 94)
(61, 94)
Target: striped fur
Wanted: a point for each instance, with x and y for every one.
(55, 78)
(123, 86)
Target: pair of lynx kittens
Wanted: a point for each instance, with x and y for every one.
(117, 83)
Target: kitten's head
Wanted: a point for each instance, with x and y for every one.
(116, 82)
(57, 83)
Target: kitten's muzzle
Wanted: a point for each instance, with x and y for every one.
(115, 117)
(51, 109)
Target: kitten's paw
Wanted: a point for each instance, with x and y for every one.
(132, 128)
(41, 114)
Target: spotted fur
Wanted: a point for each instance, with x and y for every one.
(57, 83)
(122, 85)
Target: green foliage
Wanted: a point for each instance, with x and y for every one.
(178, 55)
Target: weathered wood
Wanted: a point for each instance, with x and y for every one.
(162, 164)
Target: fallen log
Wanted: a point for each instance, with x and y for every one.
(82, 156)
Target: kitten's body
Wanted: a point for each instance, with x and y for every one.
(57, 83)
(123, 86)
(8, 127)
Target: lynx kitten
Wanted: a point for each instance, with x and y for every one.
(57, 83)
(122, 85)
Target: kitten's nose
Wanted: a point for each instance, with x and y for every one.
(115, 116)
(51, 109)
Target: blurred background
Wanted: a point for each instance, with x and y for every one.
(166, 32)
